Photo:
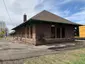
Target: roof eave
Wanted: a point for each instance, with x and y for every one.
(60, 22)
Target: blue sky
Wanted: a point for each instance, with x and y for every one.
(73, 10)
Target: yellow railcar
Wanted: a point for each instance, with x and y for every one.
(82, 31)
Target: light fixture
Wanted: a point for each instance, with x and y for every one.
(52, 25)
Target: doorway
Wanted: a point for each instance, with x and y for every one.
(63, 32)
(52, 31)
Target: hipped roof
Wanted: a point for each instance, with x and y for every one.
(49, 17)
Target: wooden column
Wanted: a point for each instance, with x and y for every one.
(21, 36)
(17, 36)
(25, 33)
(34, 35)
(61, 32)
(29, 32)
(34, 32)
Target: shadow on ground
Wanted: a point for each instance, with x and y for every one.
(68, 46)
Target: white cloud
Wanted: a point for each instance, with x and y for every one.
(78, 17)
(53, 6)
(83, 8)
(16, 10)
(48, 4)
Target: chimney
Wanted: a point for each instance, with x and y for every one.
(25, 18)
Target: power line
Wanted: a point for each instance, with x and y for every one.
(7, 11)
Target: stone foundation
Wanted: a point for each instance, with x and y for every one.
(54, 40)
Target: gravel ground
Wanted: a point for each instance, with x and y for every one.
(10, 50)
(15, 51)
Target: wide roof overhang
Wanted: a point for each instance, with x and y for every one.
(35, 21)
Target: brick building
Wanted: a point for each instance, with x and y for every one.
(44, 28)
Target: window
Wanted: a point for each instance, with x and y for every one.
(58, 32)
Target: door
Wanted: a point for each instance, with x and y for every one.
(53, 32)
(63, 32)
(60, 32)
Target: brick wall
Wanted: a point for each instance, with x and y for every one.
(46, 30)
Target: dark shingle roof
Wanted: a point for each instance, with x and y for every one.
(49, 17)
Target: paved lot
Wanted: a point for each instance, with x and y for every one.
(10, 51)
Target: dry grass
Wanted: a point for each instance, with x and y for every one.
(68, 57)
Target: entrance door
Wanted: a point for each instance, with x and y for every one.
(60, 32)
(53, 32)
